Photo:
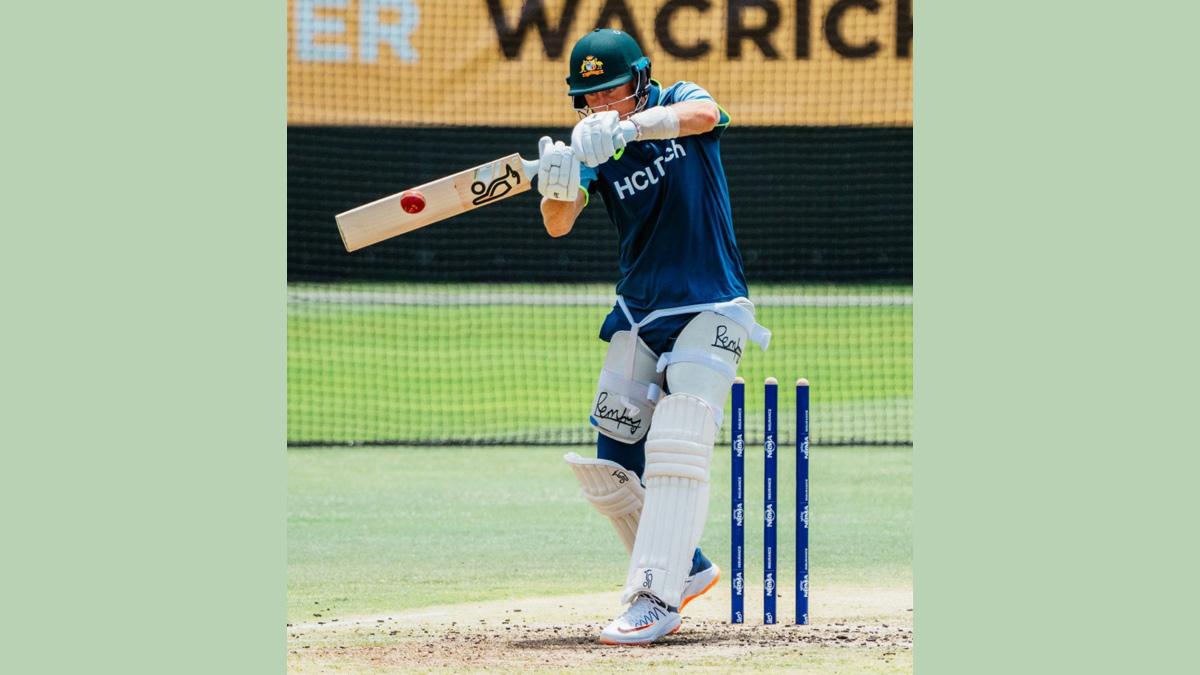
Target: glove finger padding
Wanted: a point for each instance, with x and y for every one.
(618, 139)
(604, 145)
(550, 164)
(545, 180)
(568, 172)
(586, 148)
(593, 145)
(572, 178)
(558, 170)
(608, 127)
(562, 171)
(577, 143)
(597, 138)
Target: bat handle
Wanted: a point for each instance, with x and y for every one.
(628, 130)
(530, 167)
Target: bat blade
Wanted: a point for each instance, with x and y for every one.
(445, 197)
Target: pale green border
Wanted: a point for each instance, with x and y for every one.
(1055, 328)
(143, 270)
(143, 264)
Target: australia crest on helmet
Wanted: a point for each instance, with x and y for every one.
(591, 66)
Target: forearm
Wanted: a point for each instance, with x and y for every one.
(681, 119)
(559, 216)
(696, 117)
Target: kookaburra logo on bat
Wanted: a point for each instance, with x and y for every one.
(497, 188)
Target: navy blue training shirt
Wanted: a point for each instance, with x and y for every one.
(670, 203)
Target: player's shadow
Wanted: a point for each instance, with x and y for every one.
(556, 642)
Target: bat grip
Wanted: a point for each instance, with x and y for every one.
(628, 131)
(530, 167)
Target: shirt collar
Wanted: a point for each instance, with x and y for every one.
(655, 94)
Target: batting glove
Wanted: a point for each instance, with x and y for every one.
(558, 170)
(597, 137)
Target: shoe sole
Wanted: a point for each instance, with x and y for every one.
(702, 592)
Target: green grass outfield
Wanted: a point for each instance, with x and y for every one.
(375, 530)
(519, 362)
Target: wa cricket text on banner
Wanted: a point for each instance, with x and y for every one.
(502, 62)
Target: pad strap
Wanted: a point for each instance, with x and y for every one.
(696, 356)
(735, 310)
(631, 389)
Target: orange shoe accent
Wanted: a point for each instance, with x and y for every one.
(702, 592)
(646, 643)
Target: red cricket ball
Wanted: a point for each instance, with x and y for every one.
(412, 201)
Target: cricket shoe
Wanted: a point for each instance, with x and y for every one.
(646, 620)
(700, 581)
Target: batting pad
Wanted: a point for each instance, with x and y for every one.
(613, 490)
(678, 454)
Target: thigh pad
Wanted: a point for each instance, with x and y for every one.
(629, 387)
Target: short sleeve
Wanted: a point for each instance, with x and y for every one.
(587, 182)
(690, 91)
(586, 176)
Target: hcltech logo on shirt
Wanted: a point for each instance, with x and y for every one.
(644, 178)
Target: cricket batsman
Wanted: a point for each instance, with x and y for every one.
(680, 324)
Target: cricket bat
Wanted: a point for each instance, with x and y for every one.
(438, 200)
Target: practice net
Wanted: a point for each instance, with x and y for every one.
(482, 329)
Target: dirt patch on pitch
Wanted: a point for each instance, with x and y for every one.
(560, 633)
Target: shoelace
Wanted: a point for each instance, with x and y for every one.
(647, 608)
